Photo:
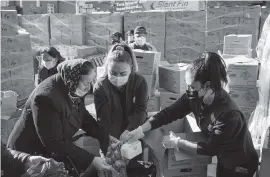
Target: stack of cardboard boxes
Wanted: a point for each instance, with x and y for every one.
(100, 27)
(185, 35)
(67, 29)
(223, 21)
(16, 57)
(242, 86)
(154, 22)
(37, 26)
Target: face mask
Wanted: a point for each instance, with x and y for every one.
(140, 40)
(80, 92)
(118, 81)
(48, 64)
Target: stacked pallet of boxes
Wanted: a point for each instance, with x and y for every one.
(231, 20)
(67, 29)
(16, 57)
(172, 85)
(154, 22)
(185, 35)
(100, 27)
(147, 64)
(37, 26)
(16, 67)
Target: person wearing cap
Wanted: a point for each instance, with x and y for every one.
(140, 40)
(130, 36)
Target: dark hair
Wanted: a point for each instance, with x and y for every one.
(210, 67)
(130, 32)
(53, 52)
(86, 67)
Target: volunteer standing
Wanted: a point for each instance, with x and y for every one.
(121, 95)
(54, 112)
(217, 115)
(140, 40)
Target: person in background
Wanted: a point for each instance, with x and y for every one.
(15, 163)
(140, 40)
(217, 115)
(50, 59)
(130, 36)
(121, 95)
(116, 38)
(54, 112)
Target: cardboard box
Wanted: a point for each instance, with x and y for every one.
(15, 60)
(9, 16)
(237, 44)
(265, 157)
(175, 126)
(181, 158)
(8, 29)
(244, 96)
(15, 44)
(172, 77)
(211, 170)
(151, 82)
(242, 71)
(7, 125)
(186, 171)
(31, 7)
(67, 29)
(38, 27)
(168, 98)
(147, 61)
(153, 104)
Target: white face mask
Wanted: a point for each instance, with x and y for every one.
(49, 64)
(80, 92)
(118, 81)
(140, 40)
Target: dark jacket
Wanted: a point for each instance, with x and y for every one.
(13, 163)
(222, 122)
(44, 73)
(119, 111)
(49, 121)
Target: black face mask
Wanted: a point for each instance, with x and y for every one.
(192, 94)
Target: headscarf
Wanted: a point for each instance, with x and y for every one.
(70, 71)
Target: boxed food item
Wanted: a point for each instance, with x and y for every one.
(147, 61)
(8, 123)
(100, 27)
(168, 98)
(242, 70)
(244, 96)
(181, 158)
(67, 29)
(186, 171)
(237, 44)
(15, 44)
(9, 16)
(172, 77)
(38, 27)
(153, 104)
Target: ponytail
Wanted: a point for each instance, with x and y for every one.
(210, 67)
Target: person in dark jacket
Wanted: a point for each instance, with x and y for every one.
(54, 112)
(16, 164)
(121, 95)
(140, 40)
(217, 115)
(50, 59)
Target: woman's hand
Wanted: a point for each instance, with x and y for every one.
(124, 135)
(134, 135)
(171, 141)
(113, 139)
(100, 164)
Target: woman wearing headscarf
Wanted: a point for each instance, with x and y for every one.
(54, 112)
(121, 95)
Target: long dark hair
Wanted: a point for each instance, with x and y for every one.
(53, 52)
(210, 67)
